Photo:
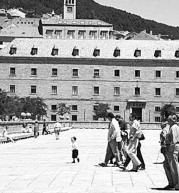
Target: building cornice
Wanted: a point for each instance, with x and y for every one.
(90, 61)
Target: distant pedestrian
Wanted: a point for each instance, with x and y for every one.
(44, 129)
(75, 151)
(57, 129)
(5, 134)
(36, 129)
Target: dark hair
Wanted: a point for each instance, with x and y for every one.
(133, 115)
(118, 117)
(122, 124)
(110, 115)
(74, 138)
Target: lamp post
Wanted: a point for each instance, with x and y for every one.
(149, 116)
(84, 115)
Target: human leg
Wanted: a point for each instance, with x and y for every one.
(139, 155)
(132, 152)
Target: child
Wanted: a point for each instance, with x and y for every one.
(74, 150)
(5, 134)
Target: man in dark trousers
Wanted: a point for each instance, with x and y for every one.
(44, 130)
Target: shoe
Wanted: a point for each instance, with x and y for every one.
(110, 162)
(78, 159)
(138, 167)
(133, 170)
(168, 188)
(142, 168)
(122, 167)
(102, 164)
(73, 162)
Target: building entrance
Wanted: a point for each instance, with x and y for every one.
(138, 113)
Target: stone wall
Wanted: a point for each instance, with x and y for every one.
(16, 127)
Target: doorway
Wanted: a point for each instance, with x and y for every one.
(138, 113)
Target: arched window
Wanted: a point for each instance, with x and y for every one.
(177, 53)
(75, 52)
(12, 50)
(34, 51)
(137, 53)
(96, 52)
(54, 51)
(116, 52)
(157, 53)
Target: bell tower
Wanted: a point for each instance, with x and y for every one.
(69, 9)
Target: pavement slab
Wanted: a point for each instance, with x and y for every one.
(44, 165)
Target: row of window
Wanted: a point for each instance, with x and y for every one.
(96, 73)
(96, 52)
(75, 118)
(82, 34)
(96, 90)
(115, 108)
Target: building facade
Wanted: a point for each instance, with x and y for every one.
(69, 27)
(130, 76)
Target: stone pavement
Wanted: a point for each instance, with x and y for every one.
(43, 165)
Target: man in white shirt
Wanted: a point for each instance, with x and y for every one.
(57, 128)
(114, 136)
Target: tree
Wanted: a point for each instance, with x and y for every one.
(63, 109)
(101, 111)
(35, 106)
(166, 110)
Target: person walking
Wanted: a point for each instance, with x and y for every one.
(75, 150)
(36, 129)
(114, 137)
(44, 130)
(133, 142)
(172, 152)
(57, 129)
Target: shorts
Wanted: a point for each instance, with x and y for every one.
(74, 153)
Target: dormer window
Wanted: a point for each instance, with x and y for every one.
(54, 52)
(75, 52)
(12, 50)
(137, 53)
(177, 53)
(116, 52)
(96, 52)
(157, 53)
(34, 51)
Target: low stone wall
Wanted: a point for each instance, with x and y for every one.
(16, 127)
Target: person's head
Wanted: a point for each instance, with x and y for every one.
(118, 117)
(110, 116)
(73, 139)
(172, 119)
(44, 120)
(132, 117)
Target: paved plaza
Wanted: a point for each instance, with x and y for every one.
(43, 165)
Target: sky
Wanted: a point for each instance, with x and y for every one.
(163, 11)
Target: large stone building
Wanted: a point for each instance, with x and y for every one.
(131, 76)
(69, 27)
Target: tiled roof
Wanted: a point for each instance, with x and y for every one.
(86, 22)
(86, 48)
(14, 30)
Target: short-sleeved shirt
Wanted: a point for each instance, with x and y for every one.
(173, 135)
